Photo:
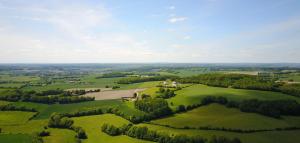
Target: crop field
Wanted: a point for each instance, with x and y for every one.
(216, 115)
(194, 94)
(113, 94)
(92, 125)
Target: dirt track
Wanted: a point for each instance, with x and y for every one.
(113, 94)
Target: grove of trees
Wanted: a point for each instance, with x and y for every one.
(155, 107)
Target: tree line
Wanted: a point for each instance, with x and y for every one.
(10, 107)
(145, 134)
(113, 75)
(129, 80)
(228, 129)
(32, 96)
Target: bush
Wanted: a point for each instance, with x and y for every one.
(58, 121)
(43, 133)
(181, 108)
(80, 132)
(110, 129)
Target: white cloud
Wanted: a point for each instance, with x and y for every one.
(177, 46)
(177, 19)
(187, 37)
(171, 7)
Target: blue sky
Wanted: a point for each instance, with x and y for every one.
(197, 31)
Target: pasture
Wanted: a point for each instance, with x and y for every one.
(9, 118)
(216, 115)
(92, 126)
(258, 137)
(46, 110)
(60, 136)
(15, 138)
(194, 94)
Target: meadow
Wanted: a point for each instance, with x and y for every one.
(258, 137)
(92, 125)
(46, 110)
(216, 115)
(194, 94)
(15, 138)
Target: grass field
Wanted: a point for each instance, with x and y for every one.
(139, 85)
(26, 128)
(15, 138)
(194, 94)
(89, 81)
(46, 110)
(216, 115)
(150, 91)
(11, 85)
(293, 76)
(14, 117)
(4, 102)
(18, 78)
(60, 136)
(17, 128)
(92, 126)
(259, 137)
(185, 72)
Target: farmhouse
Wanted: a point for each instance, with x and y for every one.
(174, 84)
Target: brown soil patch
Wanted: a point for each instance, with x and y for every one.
(113, 94)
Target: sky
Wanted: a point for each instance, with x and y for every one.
(149, 31)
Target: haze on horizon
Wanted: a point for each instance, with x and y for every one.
(118, 31)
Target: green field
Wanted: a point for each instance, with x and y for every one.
(15, 138)
(194, 94)
(60, 136)
(11, 85)
(258, 137)
(4, 102)
(20, 127)
(293, 77)
(216, 115)
(92, 126)
(18, 78)
(8, 118)
(46, 110)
